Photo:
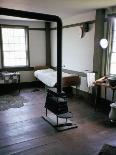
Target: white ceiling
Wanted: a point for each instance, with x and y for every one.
(62, 8)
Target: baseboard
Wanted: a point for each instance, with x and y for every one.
(80, 93)
(31, 84)
(6, 88)
(102, 105)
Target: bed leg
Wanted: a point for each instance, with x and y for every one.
(45, 88)
(76, 90)
(46, 112)
(57, 120)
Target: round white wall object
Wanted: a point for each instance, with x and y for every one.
(104, 43)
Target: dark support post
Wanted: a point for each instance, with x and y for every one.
(98, 51)
(59, 57)
(46, 112)
(99, 34)
(48, 43)
(57, 120)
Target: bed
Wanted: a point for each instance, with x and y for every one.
(49, 77)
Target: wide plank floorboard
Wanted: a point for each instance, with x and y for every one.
(24, 132)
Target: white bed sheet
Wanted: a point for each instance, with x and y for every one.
(49, 76)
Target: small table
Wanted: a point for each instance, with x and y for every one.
(10, 77)
(102, 82)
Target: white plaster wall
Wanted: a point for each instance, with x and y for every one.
(37, 49)
(54, 48)
(27, 76)
(77, 52)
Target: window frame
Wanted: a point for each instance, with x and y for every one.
(111, 42)
(26, 28)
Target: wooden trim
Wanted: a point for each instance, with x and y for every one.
(82, 74)
(76, 24)
(27, 48)
(66, 26)
(17, 69)
(112, 15)
(44, 29)
(37, 29)
(1, 46)
(19, 26)
(13, 26)
(48, 44)
(1, 43)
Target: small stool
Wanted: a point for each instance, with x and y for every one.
(112, 114)
(65, 116)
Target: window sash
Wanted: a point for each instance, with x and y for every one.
(113, 49)
(15, 50)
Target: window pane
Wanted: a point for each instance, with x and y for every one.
(22, 40)
(18, 47)
(5, 38)
(16, 41)
(4, 32)
(11, 40)
(113, 69)
(20, 62)
(113, 58)
(11, 55)
(20, 55)
(114, 23)
(6, 55)
(19, 32)
(5, 47)
(23, 62)
(10, 32)
(114, 46)
(114, 35)
(9, 62)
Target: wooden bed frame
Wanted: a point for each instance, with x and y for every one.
(73, 80)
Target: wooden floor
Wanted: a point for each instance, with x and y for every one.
(24, 132)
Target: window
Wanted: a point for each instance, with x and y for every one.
(113, 49)
(14, 46)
